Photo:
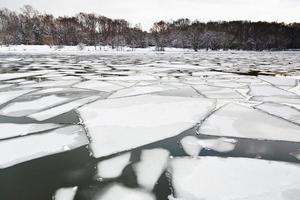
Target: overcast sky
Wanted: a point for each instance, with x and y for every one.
(148, 11)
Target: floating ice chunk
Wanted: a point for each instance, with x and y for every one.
(8, 76)
(139, 90)
(23, 108)
(10, 95)
(63, 83)
(234, 120)
(282, 111)
(279, 81)
(268, 90)
(58, 110)
(296, 89)
(278, 99)
(9, 130)
(5, 85)
(213, 178)
(182, 92)
(296, 154)
(117, 191)
(50, 90)
(192, 145)
(98, 85)
(113, 167)
(129, 78)
(65, 193)
(116, 125)
(18, 150)
(218, 92)
(149, 169)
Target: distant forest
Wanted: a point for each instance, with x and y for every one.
(32, 27)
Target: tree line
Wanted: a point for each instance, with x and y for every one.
(31, 27)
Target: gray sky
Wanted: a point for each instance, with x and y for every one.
(148, 11)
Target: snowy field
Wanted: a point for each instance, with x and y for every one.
(106, 125)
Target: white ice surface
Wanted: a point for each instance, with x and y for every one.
(65, 193)
(11, 130)
(213, 178)
(58, 110)
(23, 108)
(121, 124)
(218, 92)
(139, 90)
(113, 167)
(193, 145)
(284, 111)
(10, 95)
(279, 81)
(119, 192)
(233, 120)
(98, 85)
(268, 90)
(14, 151)
(296, 89)
(149, 169)
(7, 76)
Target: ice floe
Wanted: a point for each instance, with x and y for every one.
(65, 193)
(98, 85)
(268, 90)
(113, 167)
(10, 95)
(193, 146)
(9, 130)
(58, 110)
(213, 178)
(116, 125)
(149, 169)
(23, 108)
(233, 120)
(18, 150)
(283, 111)
(139, 90)
(117, 191)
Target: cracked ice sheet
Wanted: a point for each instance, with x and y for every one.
(53, 83)
(11, 130)
(10, 95)
(268, 90)
(18, 150)
(218, 92)
(149, 169)
(286, 112)
(213, 178)
(280, 81)
(23, 108)
(233, 120)
(139, 90)
(8, 76)
(58, 110)
(113, 167)
(117, 191)
(116, 125)
(98, 85)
